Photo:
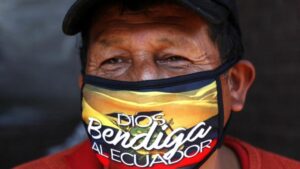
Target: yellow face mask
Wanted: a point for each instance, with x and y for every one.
(169, 123)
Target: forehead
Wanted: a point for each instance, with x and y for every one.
(116, 15)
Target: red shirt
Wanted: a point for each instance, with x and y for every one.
(82, 157)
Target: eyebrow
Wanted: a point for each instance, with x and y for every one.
(117, 41)
(110, 42)
(176, 42)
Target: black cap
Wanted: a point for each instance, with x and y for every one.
(214, 11)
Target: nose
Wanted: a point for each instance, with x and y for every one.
(143, 51)
(144, 69)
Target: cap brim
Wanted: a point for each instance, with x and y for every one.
(79, 12)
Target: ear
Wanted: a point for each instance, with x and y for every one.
(240, 79)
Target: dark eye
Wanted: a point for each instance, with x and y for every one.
(175, 58)
(174, 61)
(113, 61)
(113, 64)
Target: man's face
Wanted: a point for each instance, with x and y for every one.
(161, 42)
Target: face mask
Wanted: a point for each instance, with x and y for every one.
(169, 123)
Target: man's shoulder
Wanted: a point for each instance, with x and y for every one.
(59, 160)
(255, 158)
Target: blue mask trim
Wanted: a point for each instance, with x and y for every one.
(169, 89)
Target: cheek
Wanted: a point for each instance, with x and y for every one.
(226, 99)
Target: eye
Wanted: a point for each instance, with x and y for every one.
(113, 61)
(174, 61)
(113, 64)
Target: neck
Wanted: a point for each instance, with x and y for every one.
(223, 158)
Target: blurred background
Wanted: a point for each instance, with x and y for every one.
(40, 68)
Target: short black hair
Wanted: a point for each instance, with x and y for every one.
(224, 35)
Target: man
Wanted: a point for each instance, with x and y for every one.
(161, 79)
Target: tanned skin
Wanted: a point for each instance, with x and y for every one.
(164, 41)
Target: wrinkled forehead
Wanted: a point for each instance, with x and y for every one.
(167, 12)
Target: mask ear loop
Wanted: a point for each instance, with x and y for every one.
(223, 128)
(221, 112)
